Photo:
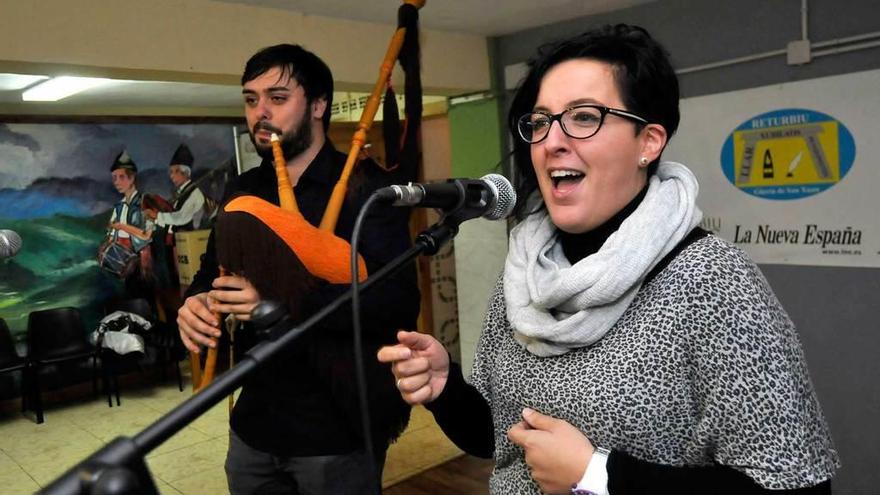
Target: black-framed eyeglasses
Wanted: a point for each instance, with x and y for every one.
(579, 122)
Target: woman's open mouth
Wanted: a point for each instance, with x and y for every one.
(565, 180)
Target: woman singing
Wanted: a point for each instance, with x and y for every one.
(625, 350)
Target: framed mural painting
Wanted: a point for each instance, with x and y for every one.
(56, 194)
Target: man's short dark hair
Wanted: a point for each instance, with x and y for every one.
(297, 63)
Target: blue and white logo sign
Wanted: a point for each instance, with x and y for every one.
(788, 154)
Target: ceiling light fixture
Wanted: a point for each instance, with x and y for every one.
(61, 87)
(11, 82)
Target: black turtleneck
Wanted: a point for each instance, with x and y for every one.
(578, 246)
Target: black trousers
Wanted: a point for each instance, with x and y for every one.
(251, 471)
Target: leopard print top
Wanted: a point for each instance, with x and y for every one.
(704, 366)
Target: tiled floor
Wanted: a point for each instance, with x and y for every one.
(191, 462)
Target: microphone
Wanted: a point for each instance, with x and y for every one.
(491, 196)
(10, 243)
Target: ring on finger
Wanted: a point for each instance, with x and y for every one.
(398, 382)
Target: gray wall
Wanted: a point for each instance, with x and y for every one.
(835, 309)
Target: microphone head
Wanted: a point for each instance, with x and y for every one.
(10, 243)
(505, 196)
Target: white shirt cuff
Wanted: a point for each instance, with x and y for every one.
(595, 480)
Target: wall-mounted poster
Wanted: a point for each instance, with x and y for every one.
(789, 172)
(56, 193)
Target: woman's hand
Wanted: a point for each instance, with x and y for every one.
(235, 295)
(556, 452)
(421, 365)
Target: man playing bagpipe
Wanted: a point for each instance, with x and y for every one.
(296, 425)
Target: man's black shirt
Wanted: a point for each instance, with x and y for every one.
(305, 402)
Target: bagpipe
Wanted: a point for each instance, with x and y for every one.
(156, 202)
(275, 247)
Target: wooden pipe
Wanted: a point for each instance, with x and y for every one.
(196, 367)
(286, 199)
(334, 206)
(200, 379)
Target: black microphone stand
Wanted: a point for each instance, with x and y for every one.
(119, 466)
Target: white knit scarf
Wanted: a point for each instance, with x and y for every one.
(555, 306)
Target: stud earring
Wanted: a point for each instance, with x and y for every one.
(643, 160)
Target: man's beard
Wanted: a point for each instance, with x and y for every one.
(292, 143)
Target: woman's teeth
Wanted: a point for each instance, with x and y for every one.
(558, 176)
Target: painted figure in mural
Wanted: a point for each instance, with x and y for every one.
(187, 202)
(126, 248)
(625, 350)
(296, 426)
(185, 212)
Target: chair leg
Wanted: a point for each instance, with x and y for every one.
(106, 373)
(163, 356)
(116, 386)
(38, 401)
(112, 377)
(95, 374)
(170, 357)
(25, 388)
(179, 374)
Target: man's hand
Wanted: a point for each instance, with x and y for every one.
(556, 452)
(196, 323)
(150, 213)
(235, 295)
(420, 364)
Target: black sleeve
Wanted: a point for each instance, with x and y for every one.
(628, 475)
(464, 415)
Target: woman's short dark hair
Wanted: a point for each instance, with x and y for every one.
(297, 63)
(644, 76)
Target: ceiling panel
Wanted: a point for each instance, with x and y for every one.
(484, 17)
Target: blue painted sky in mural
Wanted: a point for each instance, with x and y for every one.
(22, 205)
(48, 169)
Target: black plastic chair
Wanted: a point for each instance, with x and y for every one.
(56, 339)
(11, 362)
(161, 336)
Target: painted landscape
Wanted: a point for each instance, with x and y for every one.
(55, 192)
